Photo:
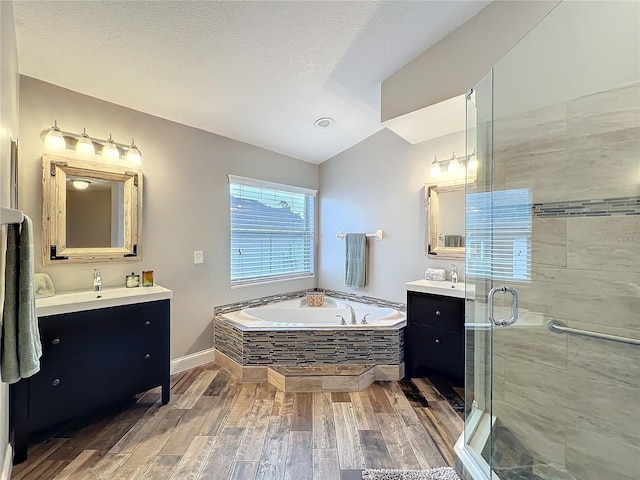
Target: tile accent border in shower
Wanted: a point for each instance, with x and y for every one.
(605, 207)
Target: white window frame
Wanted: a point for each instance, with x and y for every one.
(309, 231)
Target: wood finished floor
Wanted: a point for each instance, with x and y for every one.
(216, 427)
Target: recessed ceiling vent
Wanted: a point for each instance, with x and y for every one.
(324, 122)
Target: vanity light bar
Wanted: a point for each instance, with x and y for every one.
(452, 164)
(56, 140)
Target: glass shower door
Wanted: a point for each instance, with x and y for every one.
(478, 381)
(555, 215)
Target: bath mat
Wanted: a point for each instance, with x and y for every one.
(442, 473)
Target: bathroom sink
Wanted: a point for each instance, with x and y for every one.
(437, 288)
(68, 302)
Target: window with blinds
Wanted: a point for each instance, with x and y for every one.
(272, 231)
(498, 235)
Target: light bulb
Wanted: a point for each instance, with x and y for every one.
(133, 154)
(472, 165)
(80, 184)
(435, 167)
(54, 141)
(84, 146)
(454, 166)
(109, 150)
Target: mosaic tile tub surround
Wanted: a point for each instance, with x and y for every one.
(308, 347)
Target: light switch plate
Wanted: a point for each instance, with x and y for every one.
(198, 257)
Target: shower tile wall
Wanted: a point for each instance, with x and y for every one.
(571, 400)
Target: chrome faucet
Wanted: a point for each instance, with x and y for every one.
(454, 274)
(97, 280)
(353, 315)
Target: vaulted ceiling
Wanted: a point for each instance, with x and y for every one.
(261, 72)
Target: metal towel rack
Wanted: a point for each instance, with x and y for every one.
(10, 215)
(559, 327)
(377, 235)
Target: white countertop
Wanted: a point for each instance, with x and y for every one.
(67, 302)
(446, 289)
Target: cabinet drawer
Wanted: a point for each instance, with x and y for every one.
(437, 312)
(59, 390)
(437, 348)
(86, 333)
(69, 388)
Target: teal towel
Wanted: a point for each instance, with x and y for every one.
(21, 348)
(356, 260)
(453, 240)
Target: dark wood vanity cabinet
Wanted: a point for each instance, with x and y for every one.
(434, 337)
(92, 359)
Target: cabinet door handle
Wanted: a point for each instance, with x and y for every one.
(438, 312)
(55, 341)
(55, 383)
(147, 356)
(147, 323)
(437, 341)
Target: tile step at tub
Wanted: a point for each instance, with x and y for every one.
(328, 378)
(313, 378)
(321, 370)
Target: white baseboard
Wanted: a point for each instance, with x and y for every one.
(6, 466)
(192, 360)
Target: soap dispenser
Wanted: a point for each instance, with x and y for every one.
(133, 280)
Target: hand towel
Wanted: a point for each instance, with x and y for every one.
(435, 274)
(43, 285)
(356, 260)
(453, 240)
(20, 347)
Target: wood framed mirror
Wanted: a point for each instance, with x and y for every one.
(91, 212)
(444, 207)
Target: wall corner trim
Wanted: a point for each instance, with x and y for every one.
(8, 464)
(192, 360)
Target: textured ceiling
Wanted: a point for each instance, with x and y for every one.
(259, 72)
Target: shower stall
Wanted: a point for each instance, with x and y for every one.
(553, 253)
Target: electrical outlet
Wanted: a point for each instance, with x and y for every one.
(198, 257)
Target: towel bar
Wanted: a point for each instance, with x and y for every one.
(10, 215)
(377, 235)
(559, 327)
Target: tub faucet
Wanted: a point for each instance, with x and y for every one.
(97, 280)
(353, 315)
(454, 274)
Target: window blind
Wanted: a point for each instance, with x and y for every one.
(498, 229)
(272, 231)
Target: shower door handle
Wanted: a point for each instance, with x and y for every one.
(514, 306)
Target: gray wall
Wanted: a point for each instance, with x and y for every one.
(89, 218)
(186, 202)
(475, 47)
(379, 184)
(8, 131)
